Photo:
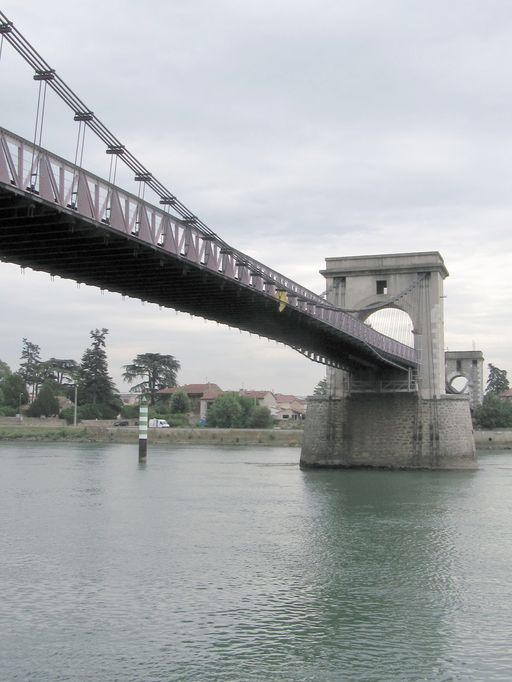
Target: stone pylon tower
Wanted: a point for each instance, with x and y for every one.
(412, 282)
(382, 418)
(468, 364)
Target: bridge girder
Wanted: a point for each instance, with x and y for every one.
(38, 234)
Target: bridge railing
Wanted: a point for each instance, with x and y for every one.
(36, 171)
(407, 385)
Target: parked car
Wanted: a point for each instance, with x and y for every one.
(122, 422)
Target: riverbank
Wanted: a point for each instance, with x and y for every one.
(100, 432)
(108, 434)
(495, 439)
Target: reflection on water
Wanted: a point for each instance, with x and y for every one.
(232, 564)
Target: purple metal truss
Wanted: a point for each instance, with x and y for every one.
(33, 170)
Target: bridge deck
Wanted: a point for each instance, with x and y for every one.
(99, 235)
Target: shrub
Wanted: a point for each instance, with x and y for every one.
(180, 403)
(89, 411)
(225, 412)
(68, 413)
(261, 418)
(130, 411)
(494, 413)
(177, 420)
(46, 404)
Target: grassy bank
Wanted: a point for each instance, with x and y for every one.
(43, 433)
(499, 439)
(102, 434)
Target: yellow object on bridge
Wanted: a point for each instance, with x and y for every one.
(282, 298)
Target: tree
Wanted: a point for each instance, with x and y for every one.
(94, 383)
(180, 403)
(321, 388)
(59, 371)
(497, 381)
(261, 418)
(30, 368)
(5, 370)
(225, 411)
(494, 413)
(231, 410)
(247, 406)
(14, 390)
(158, 371)
(46, 404)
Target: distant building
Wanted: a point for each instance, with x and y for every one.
(265, 398)
(207, 399)
(468, 365)
(195, 393)
(130, 398)
(290, 408)
(282, 407)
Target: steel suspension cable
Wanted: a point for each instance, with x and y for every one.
(41, 67)
(167, 198)
(82, 113)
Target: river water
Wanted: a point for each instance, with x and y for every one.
(233, 564)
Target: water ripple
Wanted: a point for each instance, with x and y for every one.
(200, 567)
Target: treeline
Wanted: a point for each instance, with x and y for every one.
(39, 383)
(495, 412)
(231, 410)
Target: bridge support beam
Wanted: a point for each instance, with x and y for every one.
(392, 431)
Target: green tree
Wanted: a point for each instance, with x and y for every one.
(157, 370)
(180, 403)
(493, 413)
(247, 405)
(59, 371)
(321, 389)
(130, 411)
(46, 404)
(30, 367)
(261, 418)
(14, 390)
(94, 383)
(5, 370)
(231, 410)
(225, 412)
(497, 381)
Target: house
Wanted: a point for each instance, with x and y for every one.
(195, 393)
(207, 399)
(130, 398)
(290, 408)
(506, 395)
(265, 398)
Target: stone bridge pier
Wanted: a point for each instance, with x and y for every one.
(395, 417)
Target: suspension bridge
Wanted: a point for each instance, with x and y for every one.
(57, 217)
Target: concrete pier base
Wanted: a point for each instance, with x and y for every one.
(391, 430)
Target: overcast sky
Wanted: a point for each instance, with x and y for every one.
(297, 131)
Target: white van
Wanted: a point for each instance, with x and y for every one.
(158, 424)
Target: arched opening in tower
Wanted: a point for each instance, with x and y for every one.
(393, 322)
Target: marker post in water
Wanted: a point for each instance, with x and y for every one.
(143, 429)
